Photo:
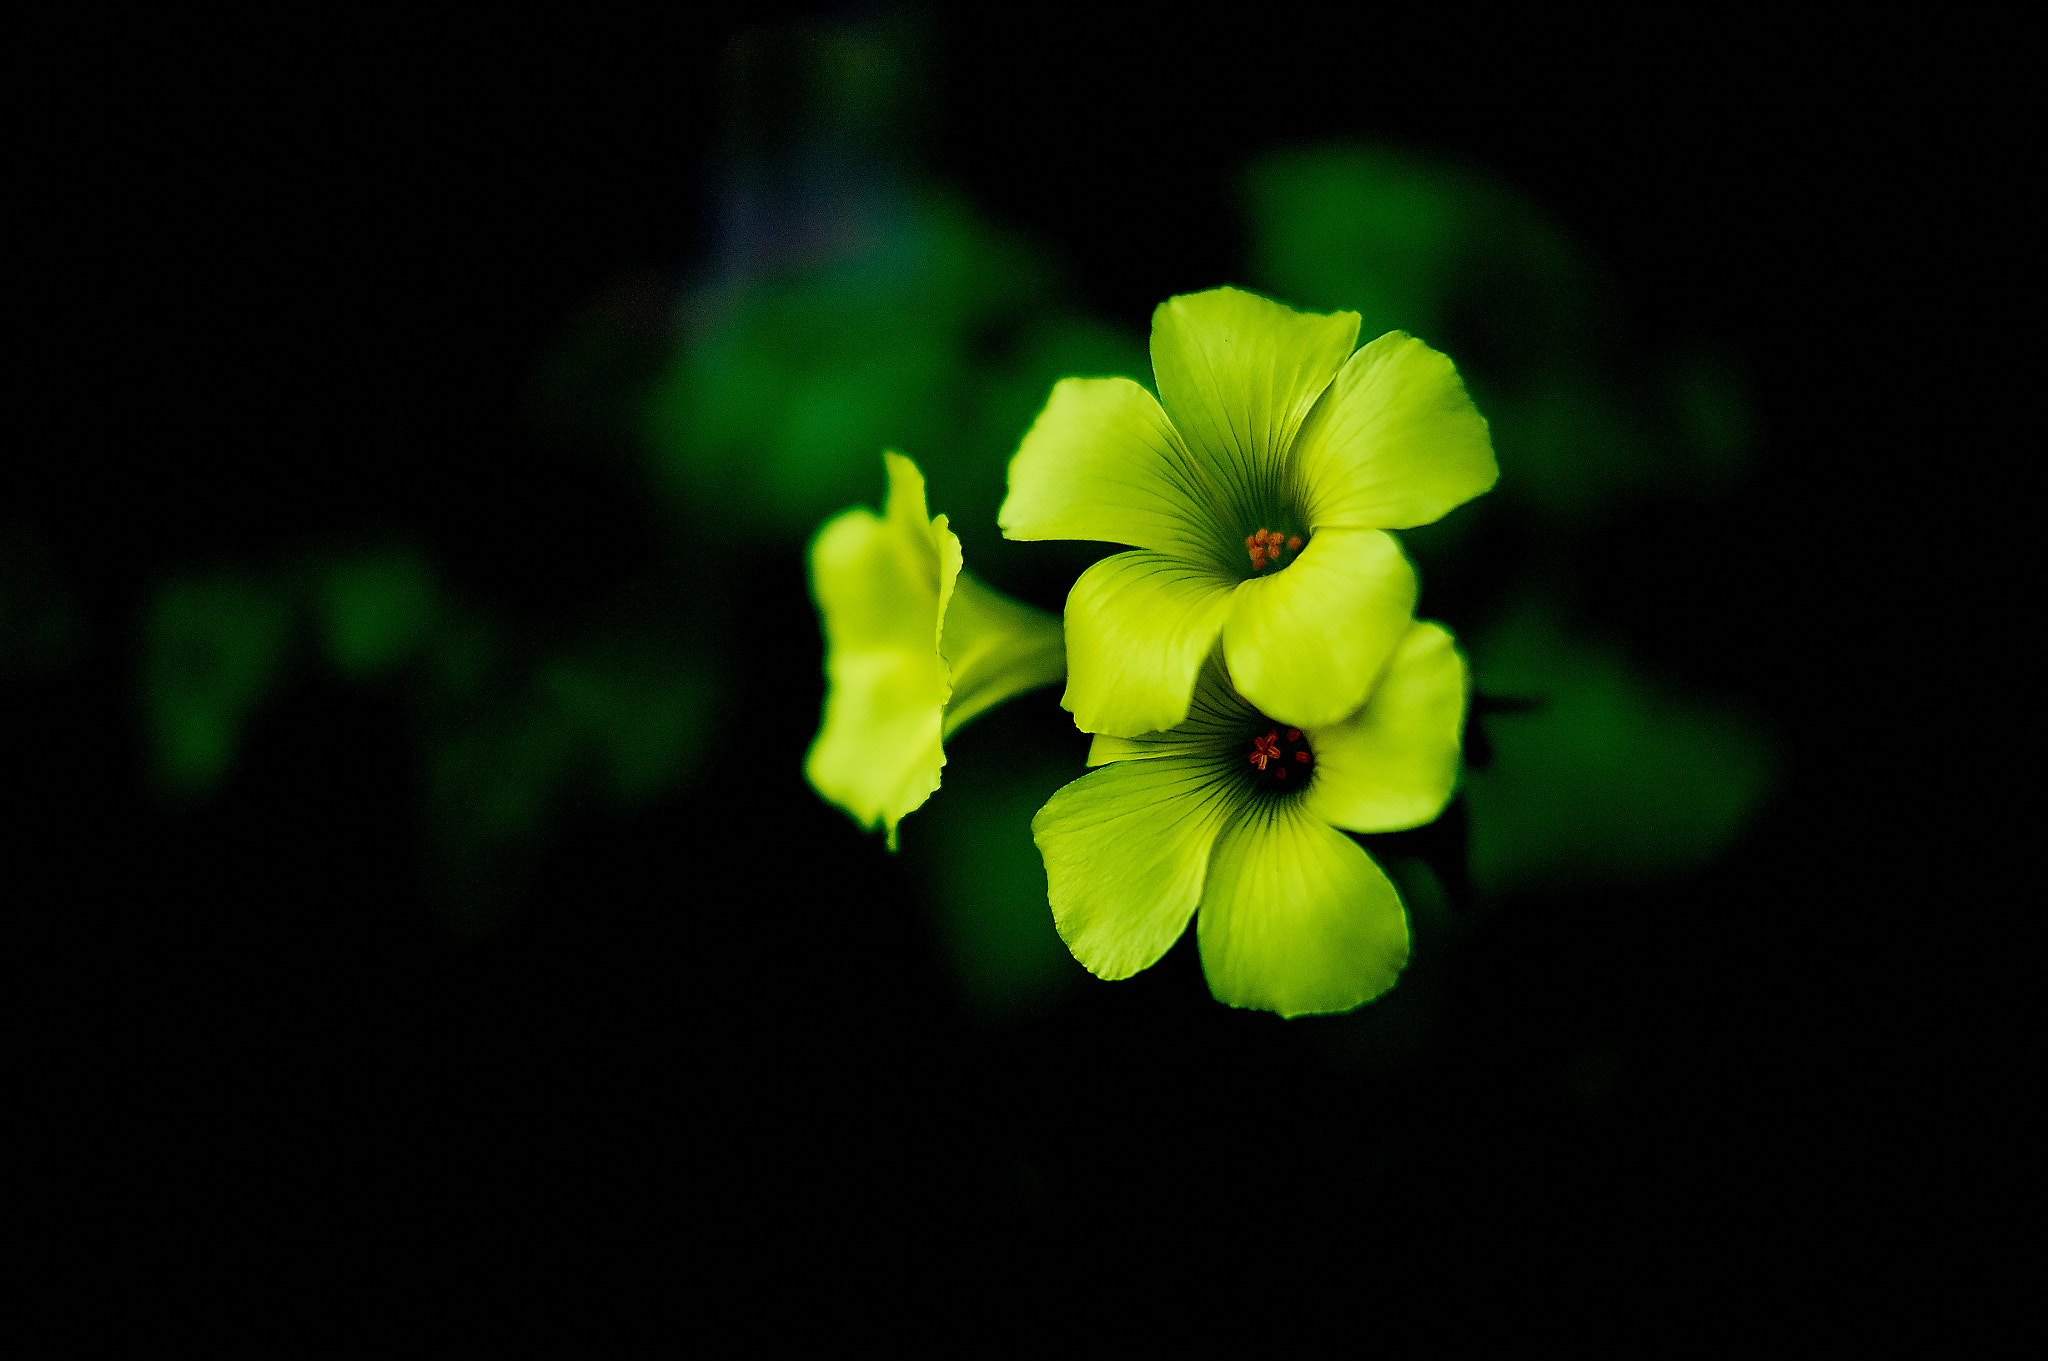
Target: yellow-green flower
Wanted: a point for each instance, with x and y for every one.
(914, 647)
(1256, 489)
(1237, 814)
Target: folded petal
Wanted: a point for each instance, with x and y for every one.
(913, 528)
(1306, 643)
(1103, 462)
(1104, 748)
(1296, 918)
(1126, 850)
(996, 649)
(1139, 625)
(1394, 763)
(881, 584)
(1238, 374)
(1394, 442)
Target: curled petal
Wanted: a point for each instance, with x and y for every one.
(1296, 918)
(1394, 763)
(1395, 441)
(1306, 643)
(1139, 625)
(1104, 749)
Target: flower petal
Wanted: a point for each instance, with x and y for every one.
(1395, 441)
(1138, 627)
(1394, 763)
(1217, 721)
(1296, 918)
(880, 585)
(1306, 643)
(1238, 374)
(1103, 462)
(996, 649)
(1126, 850)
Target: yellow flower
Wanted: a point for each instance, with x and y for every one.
(1257, 489)
(1242, 817)
(914, 647)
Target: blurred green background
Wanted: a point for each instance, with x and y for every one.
(424, 687)
(856, 304)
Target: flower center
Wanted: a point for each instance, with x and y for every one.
(1271, 548)
(1280, 759)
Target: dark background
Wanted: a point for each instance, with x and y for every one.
(295, 294)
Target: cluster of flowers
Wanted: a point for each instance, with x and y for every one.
(1251, 670)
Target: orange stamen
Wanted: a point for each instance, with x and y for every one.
(1294, 734)
(1266, 546)
(1301, 756)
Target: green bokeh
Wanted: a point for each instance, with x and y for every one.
(1716, 416)
(971, 846)
(1614, 775)
(1363, 228)
(774, 410)
(1607, 777)
(639, 713)
(42, 628)
(511, 741)
(929, 331)
(214, 649)
(1393, 1031)
(376, 611)
(1458, 257)
(512, 731)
